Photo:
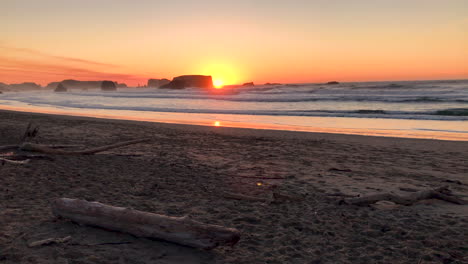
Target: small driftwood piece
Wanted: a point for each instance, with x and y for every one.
(237, 196)
(259, 178)
(16, 162)
(49, 150)
(24, 157)
(49, 241)
(441, 193)
(181, 230)
(8, 147)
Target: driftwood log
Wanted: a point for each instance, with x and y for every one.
(51, 150)
(181, 230)
(441, 193)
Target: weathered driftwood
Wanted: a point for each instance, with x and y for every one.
(49, 241)
(25, 156)
(49, 150)
(237, 196)
(259, 178)
(8, 147)
(181, 230)
(17, 162)
(441, 193)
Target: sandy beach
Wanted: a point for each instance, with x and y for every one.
(185, 170)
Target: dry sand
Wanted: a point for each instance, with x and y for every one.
(185, 170)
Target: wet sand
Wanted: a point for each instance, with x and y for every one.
(186, 169)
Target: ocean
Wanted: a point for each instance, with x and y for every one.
(425, 109)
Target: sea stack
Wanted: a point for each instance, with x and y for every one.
(185, 81)
(155, 83)
(60, 88)
(108, 86)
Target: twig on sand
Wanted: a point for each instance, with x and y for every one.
(441, 193)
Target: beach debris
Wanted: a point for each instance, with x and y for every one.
(30, 132)
(237, 196)
(32, 147)
(12, 156)
(385, 205)
(8, 147)
(16, 162)
(49, 241)
(340, 170)
(180, 230)
(276, 197)
(441, 193)
(259, 178)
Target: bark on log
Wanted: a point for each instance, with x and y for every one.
(181, 230)
(439, 193)
(48, 150)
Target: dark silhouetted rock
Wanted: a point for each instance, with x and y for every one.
(333, 82)
(24, 86)
(185, 81)
(272, 83)
(155, 83)
(52, 85)
(121, 85)
(3, 87)
(108, 86)
(60, 88)
(248, 84)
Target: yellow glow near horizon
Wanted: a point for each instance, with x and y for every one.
(223, 74)
(218, 84)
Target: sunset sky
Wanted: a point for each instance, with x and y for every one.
(235, 41)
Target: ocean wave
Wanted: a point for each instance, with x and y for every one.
(295, 98)
(453, 112)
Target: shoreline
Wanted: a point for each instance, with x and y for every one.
(186, 169)
(163, 119)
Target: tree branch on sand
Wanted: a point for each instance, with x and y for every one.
(181, 230)
(441, 193)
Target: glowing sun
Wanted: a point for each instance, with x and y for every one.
(218, 84)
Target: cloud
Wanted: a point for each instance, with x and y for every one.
(50, 56)
(19, 70)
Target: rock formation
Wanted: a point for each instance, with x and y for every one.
(333, 82)
(24, 86)
(108, 86)
(156, 83)
(248, 84)
(60, 88)
(185, 81)
(121, 85)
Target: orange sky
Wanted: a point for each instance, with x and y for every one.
(265, 41)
